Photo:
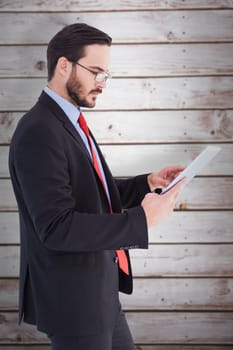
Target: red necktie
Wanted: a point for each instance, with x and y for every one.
(122, 259)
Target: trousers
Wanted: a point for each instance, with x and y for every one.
(119, 338)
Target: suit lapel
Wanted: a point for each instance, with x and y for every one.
(68, 126)
(62, 117)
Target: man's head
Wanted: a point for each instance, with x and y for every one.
(78, 61)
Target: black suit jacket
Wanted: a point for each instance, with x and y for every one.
(69, 279)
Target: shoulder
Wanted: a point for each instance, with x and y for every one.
(37, 125)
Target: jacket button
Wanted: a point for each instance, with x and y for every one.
(116, 260)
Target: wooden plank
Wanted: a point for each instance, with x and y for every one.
(100, 5)
(7, 198)
(131, 60)
(146, 126)
(171, 60)
(191, 328)
(146, 26)
(9, 228)
(185, 260)
(169, 294)
(11, 332)
(191, 227)
(202, 193)
(194, 227)
(9, 294)
(189, 93)
(147, 328)
(180, 294)
(9, 261)
(140, 159)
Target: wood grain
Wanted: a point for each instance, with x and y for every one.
(138, 127)
(100, 5)
(147, 328)
(131, 60)
(158, 93)
(145, 26)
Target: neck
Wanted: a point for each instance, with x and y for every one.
(61, 91)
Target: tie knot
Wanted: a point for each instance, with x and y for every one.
(83, 124)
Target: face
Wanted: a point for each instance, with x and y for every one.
(81, 86)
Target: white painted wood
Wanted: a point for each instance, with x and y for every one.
(145, 26)
(146, 126)
(7, 197)
(192, 328)
(9, 228)
(180, 294)
(131, 60)
(209, 193)
(129, 160)
(185, 260)
(106, 5)
(147, 328)
(195, 227)
(142, 93)
(9, 294)
(182, 227)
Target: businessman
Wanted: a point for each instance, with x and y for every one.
(77, 222)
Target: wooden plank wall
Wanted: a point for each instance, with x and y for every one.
(172, 94)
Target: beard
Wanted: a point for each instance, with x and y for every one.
(75, 91)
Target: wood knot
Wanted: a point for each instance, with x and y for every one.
(40, 65)
(183, 206)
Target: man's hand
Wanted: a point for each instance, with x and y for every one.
(164, 177)
(159, 207)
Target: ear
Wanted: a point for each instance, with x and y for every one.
(64, 67)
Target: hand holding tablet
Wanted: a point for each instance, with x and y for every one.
(194, 168)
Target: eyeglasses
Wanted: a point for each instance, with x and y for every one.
(100, 76)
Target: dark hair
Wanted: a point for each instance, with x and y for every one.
(70, 42)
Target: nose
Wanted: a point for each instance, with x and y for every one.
(101, 84)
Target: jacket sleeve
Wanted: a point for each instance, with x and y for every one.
(41, 181)
(132, 190)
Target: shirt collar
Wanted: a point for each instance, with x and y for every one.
(70, 110)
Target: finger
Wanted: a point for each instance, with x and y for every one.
(163, 182)
(174, 168)
(177, 188)
(171, 172)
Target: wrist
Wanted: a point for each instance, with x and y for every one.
(150, 182)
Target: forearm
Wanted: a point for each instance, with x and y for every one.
(132, 190)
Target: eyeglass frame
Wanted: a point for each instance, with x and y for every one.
(105, 75)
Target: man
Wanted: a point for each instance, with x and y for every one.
(77, 222)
